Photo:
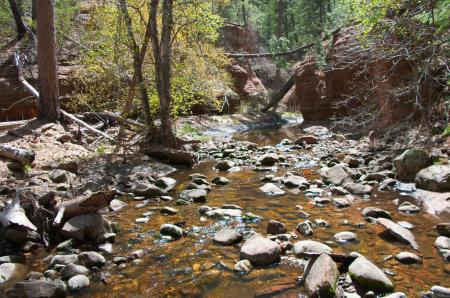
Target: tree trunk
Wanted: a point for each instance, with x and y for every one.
(137, 65)
(48, 107)
(20, 25)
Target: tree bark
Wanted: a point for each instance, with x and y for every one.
(48, 107)
(20, 25)
(19, 154)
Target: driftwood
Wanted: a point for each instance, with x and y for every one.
(261, 55)
(12, 124)
(64, 113)
(280, 94)
(22, 155)
(172, 156)
(82, 205)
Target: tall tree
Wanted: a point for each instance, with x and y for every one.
(48, 107)
(20, 25)
(162, 50)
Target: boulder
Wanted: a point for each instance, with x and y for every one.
(294, 181)
(369, 276)
(442, 242)
(322, 277)
(305, 228)
(165, 183)
(400, 233)
(272, 190)
(375, 213)
(260, 251)
(358, 188)
(410, 162)
(70, 270)
(148, 190)
(86, 226)
(407, 258)
(310, 246)
(219, 180)
(275, 227)
(61, 176)
(63, 260)
(91, 259)
(227, 237)
(434, 178)
(78, 283)
(171, 230)
(222, 213)
(269, 159)
(7, 271)
(345, 236)
(443, 229)
(194, 195)
(337, 175)
(224, 165)
(37, 289)
(407, 207)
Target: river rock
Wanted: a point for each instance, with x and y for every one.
(337, 175)
(224, 165)
(78, 282)
(91, 259)
(375, 213)
(305, 228)
(117, 205)
(169, 210)
(171, 230)
(195, 195)
(276, 227)
(222, 213)
(443, 229)
(165, 183)
(407, 258)
(410, 162)
(369, 275)
(7, 271)
(308, 139)
(294, 181)
(260, 251)
(434, 178)
(269, 159)
(341, 202)
(272, 190)
(310, 246)
(345, 236)
(322, 278)
(63, 260)
(358, 188)
(219, 180)
(243, 266)
(339, 191)
(407, 207)
(86, 226)
(61, 176)
(442, 242)
(70, 270)
(148, 190)
(37, 289)
(440, 292)
(400, 233)
(387, 184)
(227, 237)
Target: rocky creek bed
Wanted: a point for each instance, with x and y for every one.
(278, 211)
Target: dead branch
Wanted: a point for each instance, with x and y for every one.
(22, 155)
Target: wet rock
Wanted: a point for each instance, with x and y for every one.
(70, 270)
(434, 178)
(272, 190)
(196, 175)
(219, 180)
(222, 213)
(339, 191)
(442, 242)
(166, 183)
(406, 225)
(227, 237)
(317, 130)
(169, 210)
(341, 202)
(117, 205)
(148, 190)
(63, 260)
(316, 193)
(195, 195)
(407, 207)
(269, 159)
(275, 227)
(203, 209)
(142, 220)
(440, 292)
(322, 277)
(37, 289)
(345, 236)
(108, 237)
(337, 175)
(171, 230)
(7, 271)
(294, 181)
(106, 248)
(224, 165)
(243, 266)
(61, 176)
(410, 162)
(387, 184)
(369, 275)
(375, 213)
(86, 226)
(91, 259)
(408, 258)
(443, 229)
(231, 206)
(33, 275)
(193, 186)
(358, 189)
(305, 228)
(78, 283)
(401, 234)
(260, 251)
(200, 181)
(306, 139)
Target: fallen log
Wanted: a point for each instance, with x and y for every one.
(172, 156)
(12, 124)
(280, 94)
(112, 117)
(64, 113)
(261, 55)
(85, 204)
(22, 155)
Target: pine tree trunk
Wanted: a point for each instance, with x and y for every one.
(48, 107)
(21, 28)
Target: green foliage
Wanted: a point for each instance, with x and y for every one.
(446, 132)
(65, 11)
(7, 26)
